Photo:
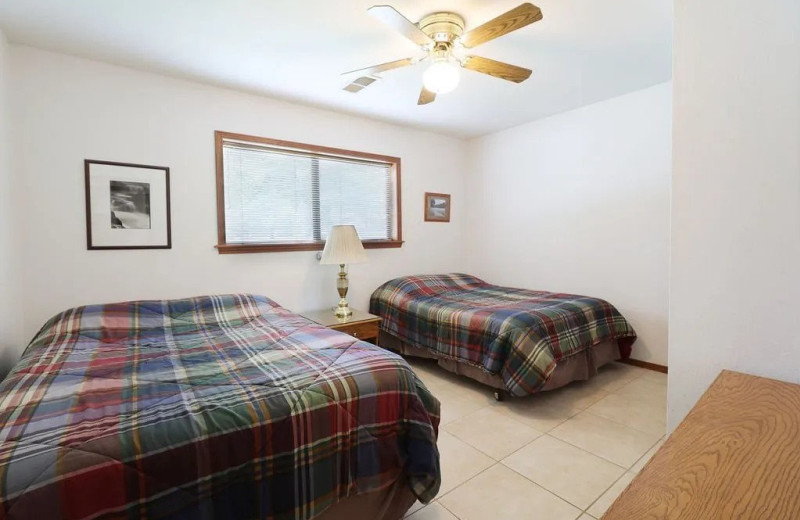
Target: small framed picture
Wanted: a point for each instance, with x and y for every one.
(127, 206)
(437, 207)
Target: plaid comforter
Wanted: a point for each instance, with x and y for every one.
(516, 333)
(212, 407)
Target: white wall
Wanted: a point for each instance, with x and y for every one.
(735, 255)
(579, 202)
(10, 301)
(69, 109)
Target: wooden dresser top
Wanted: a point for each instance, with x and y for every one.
(736, 455)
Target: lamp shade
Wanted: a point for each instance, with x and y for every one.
(343, 247)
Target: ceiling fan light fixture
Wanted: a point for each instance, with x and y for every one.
(441, 77)
(441, 36)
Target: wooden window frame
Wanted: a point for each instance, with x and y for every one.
(223, 247)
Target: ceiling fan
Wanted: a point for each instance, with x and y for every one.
(441, 36)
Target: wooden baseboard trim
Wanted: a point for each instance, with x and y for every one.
(644, 364)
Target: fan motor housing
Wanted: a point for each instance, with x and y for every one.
(442, 27)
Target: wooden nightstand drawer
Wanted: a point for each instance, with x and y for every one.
(365, 331)
(361, 325)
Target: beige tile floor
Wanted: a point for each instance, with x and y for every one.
(560, 455)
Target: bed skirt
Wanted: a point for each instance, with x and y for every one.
(580, 367)
(390, 503)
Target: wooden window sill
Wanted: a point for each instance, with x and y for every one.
(228, 249)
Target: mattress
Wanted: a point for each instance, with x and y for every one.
(211, 407)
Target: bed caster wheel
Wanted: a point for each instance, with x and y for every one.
(499, 396)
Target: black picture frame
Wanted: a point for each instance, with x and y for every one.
(163, 220)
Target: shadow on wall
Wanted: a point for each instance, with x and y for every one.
(8, 358)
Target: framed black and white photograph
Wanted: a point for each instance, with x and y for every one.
(127, 206)
(437, 207)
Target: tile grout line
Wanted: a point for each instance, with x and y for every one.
(545, 433)
(595, 454)
(475, 447)
(548, 433)
(642, 377)
(444, 426)
(637, 378)
(542, 487)
(648, 450)
(625, 470)
(490, 406)
(541, 434)
(625, 425)
(438, 499)
(445, 507)
(468, 480)
(604, 492)
(522, 447)
(620, 478)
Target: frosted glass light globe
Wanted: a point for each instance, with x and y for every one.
(441, 77)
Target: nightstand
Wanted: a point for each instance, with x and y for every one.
(361, 325)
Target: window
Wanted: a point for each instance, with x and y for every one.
(282, 196)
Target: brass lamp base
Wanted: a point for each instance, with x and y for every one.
(342, 311)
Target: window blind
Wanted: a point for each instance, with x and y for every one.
(283, 196)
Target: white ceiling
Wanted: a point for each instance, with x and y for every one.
(583, 51)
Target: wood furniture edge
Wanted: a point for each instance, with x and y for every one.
(355, 322)
(351, 326)
(645, 364)
(643, 481)
(371, 317)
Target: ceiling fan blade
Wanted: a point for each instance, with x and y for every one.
(498, 69)
(360, 83)
(389, 15)
(367, 76)
(426, 96)
(514, 19)
(383, 67)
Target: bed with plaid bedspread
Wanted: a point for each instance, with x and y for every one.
(516, 333)
(224, 407)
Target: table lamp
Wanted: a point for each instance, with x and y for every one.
(343, 247)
